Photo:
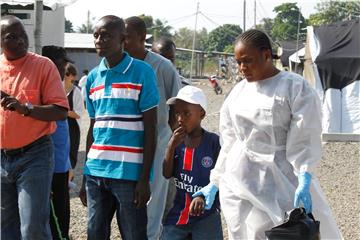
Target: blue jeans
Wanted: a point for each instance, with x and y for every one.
(105, 194)
(25, 192)
(207, 228)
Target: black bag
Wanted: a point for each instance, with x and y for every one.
(297, 226)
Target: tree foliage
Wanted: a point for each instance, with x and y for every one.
(69, 28)
(266, 25)
(156, 27)
(222, 36)
(335, 11)
(160, 29)
(184, 38)
(286, 22)
(88, 26)
(229, 48)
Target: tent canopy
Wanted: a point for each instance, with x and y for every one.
(338, 61)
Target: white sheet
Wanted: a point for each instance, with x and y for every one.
(331, 119)
(350, 106)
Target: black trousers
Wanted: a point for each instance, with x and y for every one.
(61, 201)
(74, 133)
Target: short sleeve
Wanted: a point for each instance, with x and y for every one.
(89, 103)
(149, 96)
(217, 146)
(172, 81)
(78, 101)
(52, 91)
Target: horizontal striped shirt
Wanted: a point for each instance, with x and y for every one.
(116, 98)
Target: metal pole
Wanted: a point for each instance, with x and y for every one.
(38, 9)
(88, 22)
(254, 13)
(244, 16)
(297, 41)
(193, 45)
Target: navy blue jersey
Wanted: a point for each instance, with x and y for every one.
(192, 168)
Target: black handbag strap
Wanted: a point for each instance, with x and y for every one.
(70, 99)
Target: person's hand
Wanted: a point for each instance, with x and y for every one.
(197, 206)
(82, 193)
(73, 114)
(10, 103)
(209, 193)
(142, 193)
(178, 136)
(71, 175)
(302, 193)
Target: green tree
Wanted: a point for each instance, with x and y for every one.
(184, 38)
(229, 48)
(68, 26)
(88, 26)
(335, 11)
(156, 27)
(160, 29)
(266, 25)
(221, 37)
(286, 22)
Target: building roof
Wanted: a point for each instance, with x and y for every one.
(86, 41)
(79, 40)
(82, 40)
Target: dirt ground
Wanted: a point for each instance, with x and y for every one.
(338, 173)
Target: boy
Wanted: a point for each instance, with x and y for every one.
(190, 155)
(122, 100)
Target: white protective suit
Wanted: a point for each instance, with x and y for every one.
(270, 131)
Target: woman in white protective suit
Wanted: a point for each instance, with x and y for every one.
(270, 130)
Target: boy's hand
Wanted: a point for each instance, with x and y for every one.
(178, 136)
(197, 206)
(82, 193)
(142, 193)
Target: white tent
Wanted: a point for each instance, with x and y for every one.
(295, 58)
(333, 61)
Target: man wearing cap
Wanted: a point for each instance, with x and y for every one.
(32, 98)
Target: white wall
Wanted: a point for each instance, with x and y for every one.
(53, 27)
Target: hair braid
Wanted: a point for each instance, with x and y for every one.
(257, 39)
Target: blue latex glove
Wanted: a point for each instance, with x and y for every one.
(302, 192)
(209, 192)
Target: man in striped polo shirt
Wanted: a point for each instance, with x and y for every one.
(122, 99)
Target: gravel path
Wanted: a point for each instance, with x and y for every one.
(338, 173)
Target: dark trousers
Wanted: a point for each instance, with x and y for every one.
(61, 203)
(104, 193)
(74, 133)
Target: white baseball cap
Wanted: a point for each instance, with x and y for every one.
(190, 94)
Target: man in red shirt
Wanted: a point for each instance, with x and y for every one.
(32, 98)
